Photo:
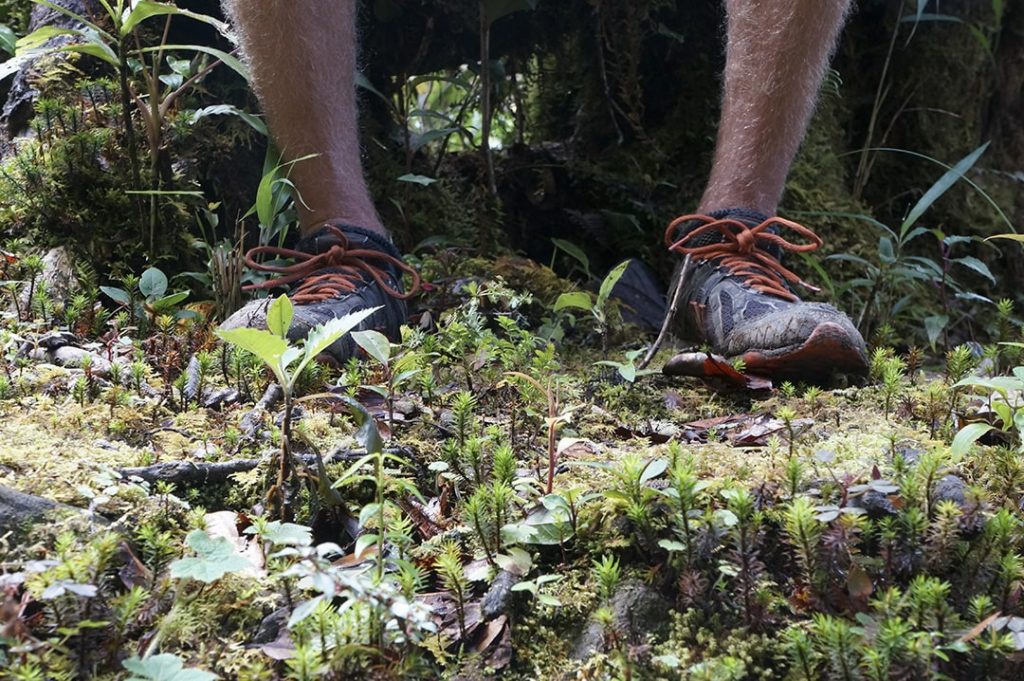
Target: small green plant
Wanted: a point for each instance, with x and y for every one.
(628, 369)
(608, 574)
(286, 362)
(396, 373)
(597, 305)
(146, 297)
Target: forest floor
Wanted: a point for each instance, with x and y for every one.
(689, 531)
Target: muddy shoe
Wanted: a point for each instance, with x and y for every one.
(737, 299)
(337, 270)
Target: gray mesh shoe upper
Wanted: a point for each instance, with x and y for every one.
(737, 295)
(338, 270)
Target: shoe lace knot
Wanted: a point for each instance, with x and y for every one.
(744, 250)
(339, 269)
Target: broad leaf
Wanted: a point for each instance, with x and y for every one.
(374, 343)
(976, 265)
(39, 37)
(967, 436)
(933, 326)
(118, 295)
(8, 40)
(325, 335)
(164, 667)
(284, 534)
(610, 281)
(279, 316)
(167, 302)
(153, 283)
(215, 557)
(577, 299)
(263, 344)
(575, 252)
(653, 469)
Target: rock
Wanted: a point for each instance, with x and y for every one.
(875, 503)
(49, 341)
(637, 610)
(18, 509)
(19, 100)
(70, 356)
(58, 276)
(496, 601)
(219, 398)
(270, 627)
(951, 488)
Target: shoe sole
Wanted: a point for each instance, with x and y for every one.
(827, 353)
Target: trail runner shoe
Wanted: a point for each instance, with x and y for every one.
(337, 270)
(737, 298)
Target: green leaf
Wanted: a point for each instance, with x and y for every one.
(215, 557)
(948, 179)
(279, 316)
(671, 545)
(575, 252)
(364, 82)
(118, 295)
(577, 299)
(976, 265)
(263, 344)
(153, 283)
(417, 179)
(303, 610)
(167, 302)
(93, 49)
(364, 542)
(284, 534)
(231, 62)
(164, 667)
(8, 41)
(326, 334)
(254, 121)
(143, 10)
(933, 326)
(653, 469)
(967, 436)
(610, 281)
(374, 343)
(518, 561)
(40, 36)
(549, 600)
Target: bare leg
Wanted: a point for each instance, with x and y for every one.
(776, 56)
(302, 54)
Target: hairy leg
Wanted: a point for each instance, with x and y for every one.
(302, 54)
(776, 55)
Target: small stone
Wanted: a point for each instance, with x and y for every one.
(876, 504)
(70, 356)
(496, 601)
(219, 398)
(637, 609)
(951, 488)
(53, 340)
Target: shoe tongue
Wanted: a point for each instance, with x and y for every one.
(751, 218)
(358, 238)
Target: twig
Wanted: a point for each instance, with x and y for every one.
(669, 315)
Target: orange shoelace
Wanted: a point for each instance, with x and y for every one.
(349, 267)
(743, 253)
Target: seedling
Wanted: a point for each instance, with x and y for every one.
(378, 347)
(146, 297)
(628, 369)
(596, 305)
(280, 356)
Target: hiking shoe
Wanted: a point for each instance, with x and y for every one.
(339, 269)
(737, 298)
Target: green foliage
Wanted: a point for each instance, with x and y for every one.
(164, 667)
